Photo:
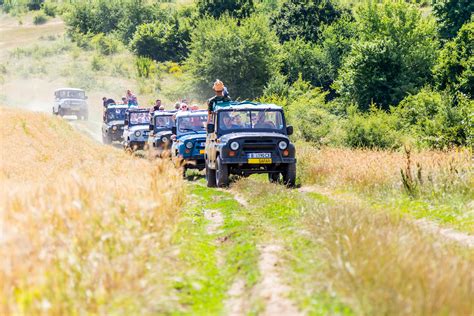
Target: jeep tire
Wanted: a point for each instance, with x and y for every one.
(106, 139)
(289, 175)
(210, 176)
(222, 174)
(274, 177)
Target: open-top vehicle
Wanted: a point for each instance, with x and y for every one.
(136, 128)
(248, 138)
(161, 125)
(71, 101)
(114, 119)
(190, 131)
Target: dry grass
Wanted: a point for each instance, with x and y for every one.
(84, 228)
(368, 170)
(385, 266)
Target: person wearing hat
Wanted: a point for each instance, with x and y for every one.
(218, 98)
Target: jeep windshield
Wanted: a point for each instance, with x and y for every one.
(250, 120)
(139, 118)
(164, 122)
(71, 94)
(115, 114)
(191, 124)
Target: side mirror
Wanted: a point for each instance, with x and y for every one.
(289, 130)
(173, 130)
(151, 127)
(211, 128)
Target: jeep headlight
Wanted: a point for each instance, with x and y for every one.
(282, 145)
(114, 127)
(189, 145)
(234, 145)
(137, 133)
(164, 139)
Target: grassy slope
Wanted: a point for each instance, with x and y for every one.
(85, 228)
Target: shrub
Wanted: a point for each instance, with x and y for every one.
(105, 44)
(145, 67)
(303, 19)
(215, 8)
(455, 67)
(161, 41)
(241, 56)
(451, 15)
(50, 9)
(394, 56)
(97, 63)
(40, 18)
(375, 129)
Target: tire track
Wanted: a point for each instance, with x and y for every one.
(425, 225)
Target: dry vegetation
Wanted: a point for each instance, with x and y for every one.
(84, 228)
(368, 170)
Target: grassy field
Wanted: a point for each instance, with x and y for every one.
(87, 229)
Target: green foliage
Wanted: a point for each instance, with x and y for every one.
(374, 129)
(451, 15)
(105, 44)
(307, 59)
(40, 18)
(455, 67)
(241, 56)
(107, 16)
(145, 67)
(437, 120)
(161, 41)
(216, 8)
(303, 19)
(394, 56)
(50, 9)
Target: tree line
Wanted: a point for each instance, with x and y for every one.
(361, 74)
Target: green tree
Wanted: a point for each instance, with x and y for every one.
(393, 57)
(241, 56)
(451, 15)
(161, 41)
(235, 8)
(308, 60)
(303, 19)
(455, 67)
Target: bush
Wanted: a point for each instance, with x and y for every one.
(303, 19)
(216, 8)
(394, 56)
(50, 9)
(145, 67)
(241, 56)
(455, 68)
(375, 129)
(437, 119)
(97, 63)
(161, 41)
(451, 15)
(307, 59)
(40, 18)
(105, 44)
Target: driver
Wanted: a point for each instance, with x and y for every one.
(261, 123)
(227, 122)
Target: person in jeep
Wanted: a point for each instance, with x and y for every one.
(218, 98)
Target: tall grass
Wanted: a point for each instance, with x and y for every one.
(84, 228)
(375, 170)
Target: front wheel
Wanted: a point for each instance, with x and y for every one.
(222, 174)
(273, 177)
(289, 175)
(210, 176)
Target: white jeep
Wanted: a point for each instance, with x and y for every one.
(70, 101)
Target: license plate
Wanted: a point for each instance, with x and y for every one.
(202, 151)
(260, 160)
(259, 155)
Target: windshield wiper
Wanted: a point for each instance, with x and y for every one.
(188, 129)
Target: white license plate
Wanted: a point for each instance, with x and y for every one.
(259, 155)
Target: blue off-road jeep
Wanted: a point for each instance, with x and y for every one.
(161, 125)
(135, 132)
(190, 131)
(113, 123)
(246, 138)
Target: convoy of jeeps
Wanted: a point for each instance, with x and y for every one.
(238, 138)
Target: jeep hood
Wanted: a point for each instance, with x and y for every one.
(192, 137)
(235, 136)
(115, 122)
(140, 128)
